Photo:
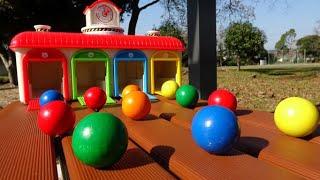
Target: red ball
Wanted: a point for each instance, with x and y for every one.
(95, 98)
(223, 98)
(56, 118)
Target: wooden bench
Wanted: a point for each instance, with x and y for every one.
(135, 164)
(25, 152)
(174, 148)
(292, 153)
(160, 147)
(257, 118)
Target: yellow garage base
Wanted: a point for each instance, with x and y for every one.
(164, 66)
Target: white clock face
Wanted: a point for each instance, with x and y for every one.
(104, 14)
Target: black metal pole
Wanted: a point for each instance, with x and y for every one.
(202, 45)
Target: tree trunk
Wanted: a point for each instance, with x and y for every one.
(135, 14)
(8, 64)
(13, 69)
(134, 18)
(133, 23)
(238, 63)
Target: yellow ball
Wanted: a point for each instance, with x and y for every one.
(169, 88)
(296, 117)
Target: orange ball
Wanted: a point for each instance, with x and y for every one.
(136, 105)
(130, 88)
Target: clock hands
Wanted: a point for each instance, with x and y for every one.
(106, 12)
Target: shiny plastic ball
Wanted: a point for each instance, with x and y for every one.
(296, 117)
(95, 98)
(215, 129)
(56, 118)
(136, 105)
(99, 140)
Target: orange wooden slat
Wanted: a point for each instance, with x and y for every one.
(25, 152)
(257, 118)
(257, 140)
(135, 164)
(174, 148)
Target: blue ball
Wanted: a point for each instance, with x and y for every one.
(50, 95)
(215, 129)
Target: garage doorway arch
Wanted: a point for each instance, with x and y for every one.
(90, 68)
(164, 65)
(130, 67)
(47, 61)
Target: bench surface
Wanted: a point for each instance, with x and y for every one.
(25, 152)
(160, 147)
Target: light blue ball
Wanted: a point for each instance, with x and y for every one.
(215, 129)
(50, 95)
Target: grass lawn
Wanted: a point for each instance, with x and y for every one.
(256, 87)
(263, 87)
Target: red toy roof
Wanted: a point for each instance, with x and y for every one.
(78, 40)
(99, 1)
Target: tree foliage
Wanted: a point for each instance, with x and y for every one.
(171, 28)
(234, 10)
(244, 41)
(287, 40)
(311, 44)
(64, 15)
(317, 28)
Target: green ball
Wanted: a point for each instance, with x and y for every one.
(99, 140)
(187, 96)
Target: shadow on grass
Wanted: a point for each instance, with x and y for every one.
(9, 88)
(304, 72)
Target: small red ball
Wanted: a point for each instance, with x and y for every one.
(223, 98)
(56, 118)
(95, 98)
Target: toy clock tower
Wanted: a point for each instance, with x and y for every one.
(102, 17)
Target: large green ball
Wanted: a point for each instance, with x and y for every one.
(99, 140)
(187, 96)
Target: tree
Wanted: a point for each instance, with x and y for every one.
(9, 64)
(317, 28)
(221, 50)
(234, 10)
(244, 41)
(171, 28)
(286, 41)
(18, 15)
(133, 9)
(310, 44)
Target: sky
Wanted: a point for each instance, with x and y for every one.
(274, 20)
(148, 18)
(301, 15)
